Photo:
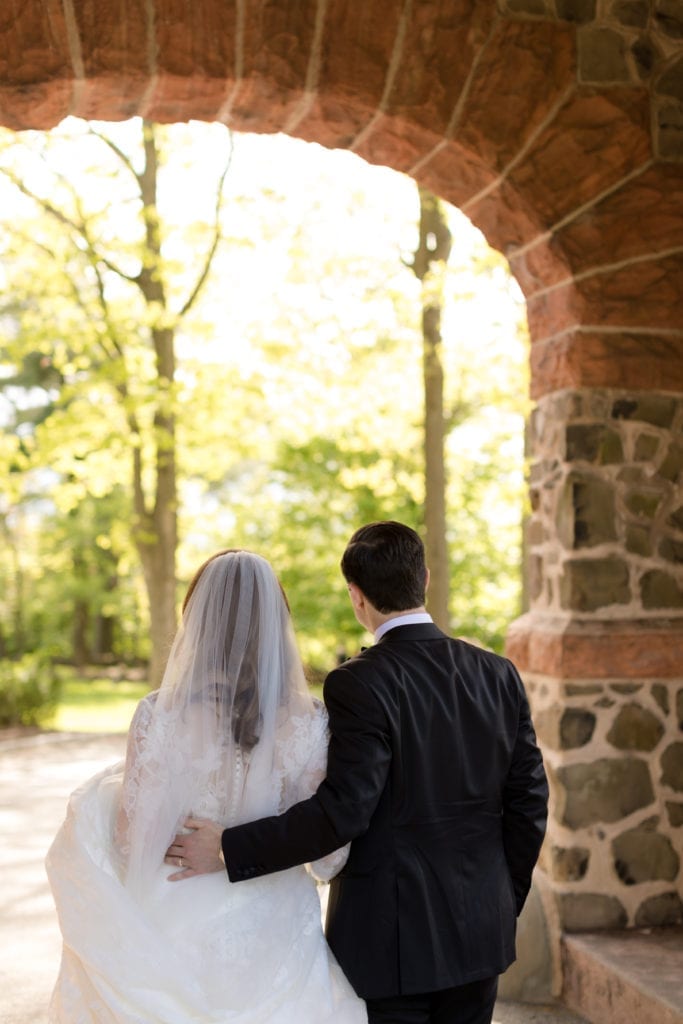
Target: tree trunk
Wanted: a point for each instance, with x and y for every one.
(436, 545)
(18, 619)
(158, 564)
(156, 530)
(105, 625)
(429, 265)
(80, 646)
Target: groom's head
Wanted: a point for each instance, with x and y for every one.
(386, 561)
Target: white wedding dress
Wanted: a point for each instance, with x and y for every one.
(202, 950)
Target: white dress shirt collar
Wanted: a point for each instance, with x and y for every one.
(402, 620)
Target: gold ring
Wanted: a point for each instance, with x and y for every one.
(180, 862)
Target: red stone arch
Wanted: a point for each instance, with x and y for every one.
(549, 144)
(557, 126)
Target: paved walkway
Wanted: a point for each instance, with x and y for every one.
(36, 776)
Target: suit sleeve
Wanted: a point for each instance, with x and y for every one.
(357, 765)
(525, 801)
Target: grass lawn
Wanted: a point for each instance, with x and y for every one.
(102, 705)
(96, 705)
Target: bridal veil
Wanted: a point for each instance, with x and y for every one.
(234, 682)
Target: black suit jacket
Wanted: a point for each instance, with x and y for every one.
(435, 775)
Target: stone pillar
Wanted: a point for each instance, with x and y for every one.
(601, 651)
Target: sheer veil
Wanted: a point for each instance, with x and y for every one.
(233, 682)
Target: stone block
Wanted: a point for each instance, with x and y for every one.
(659, 911)
(596, 649)
(616, 360)
(638, 540)
(521, 72)
(591, 910)
(645, 447)
(535, 577)
(569, 864)
(590, 584)
(436, 55)
(548, 172)
(611, 232)
(576, 728)
(634, 13)
(586, 514)
(669, 130)
(670, 82)
(669, 18)
(671, 550)
(578, 11)
(672, 466)
(644, 855)
(645, 294)
(643, 503)
(645, 55)
(605, 790)
(593, 442)
(658, 410)
(533, 7)
(676, 518)
(582, 689)
(602, 56)
(635, 728)
(672, 767)
(675, 812)
(530, 978)
(661, 695)
(659, 589)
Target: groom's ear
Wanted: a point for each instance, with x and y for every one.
(426, 580)
(356, 594)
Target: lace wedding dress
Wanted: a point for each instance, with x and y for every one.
(201, 950)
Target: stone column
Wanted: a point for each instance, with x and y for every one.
(601, 651)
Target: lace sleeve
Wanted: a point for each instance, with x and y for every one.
(311, 777)
(136, 737)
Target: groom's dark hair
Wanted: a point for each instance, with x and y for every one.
(386, 560)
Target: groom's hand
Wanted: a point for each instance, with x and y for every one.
(197, 852)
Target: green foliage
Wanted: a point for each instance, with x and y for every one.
(317, 494)
(29, 690)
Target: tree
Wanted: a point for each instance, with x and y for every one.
(107, 316)
(429, 266)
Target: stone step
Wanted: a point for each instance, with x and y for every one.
(626, 977)
(507, 1012)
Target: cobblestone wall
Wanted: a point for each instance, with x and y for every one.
(606, 532)
(606, 551)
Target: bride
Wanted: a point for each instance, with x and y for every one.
(232, 735)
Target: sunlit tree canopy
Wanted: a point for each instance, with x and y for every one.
(294, 411)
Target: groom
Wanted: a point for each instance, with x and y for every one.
(435, 775)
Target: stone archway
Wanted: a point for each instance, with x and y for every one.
(557, 126)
